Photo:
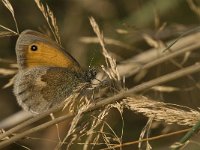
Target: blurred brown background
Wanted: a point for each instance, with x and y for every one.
(121, 20)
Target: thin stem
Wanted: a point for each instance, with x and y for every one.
(32, 130)
(150, 138)
(166, 57)
(28, 122)
(187, 136)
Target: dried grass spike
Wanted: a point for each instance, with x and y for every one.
(110, 62)
(170, 113)
(9, 32)
(10, 8)
(51, 20)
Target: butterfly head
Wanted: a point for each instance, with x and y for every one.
(90, 74)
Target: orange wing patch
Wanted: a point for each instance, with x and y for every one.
(48, 55)
(34, 49)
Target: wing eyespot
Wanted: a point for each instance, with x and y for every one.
(34, 47)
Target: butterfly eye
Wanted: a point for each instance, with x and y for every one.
(34, 48)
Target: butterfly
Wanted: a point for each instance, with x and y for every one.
(47, 74)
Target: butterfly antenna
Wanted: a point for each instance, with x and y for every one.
(92, 59)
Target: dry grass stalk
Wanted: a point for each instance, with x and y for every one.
(78, 98)
(150, 139)
(166, 89)
(150, 57)
(6, 33)
(94, 126)
(14, 119)
(159, 45)
(51, 20)
(169, 113)
(10, 8)
(151, 42)
(110, 62)
(145, 131)
(6, 72)
(108, 41)
(99, 126)
(194, 7)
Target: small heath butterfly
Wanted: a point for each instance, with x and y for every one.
(47, 74)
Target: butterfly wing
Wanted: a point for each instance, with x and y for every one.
(38, 89)
(34, 49)
(47, 74)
